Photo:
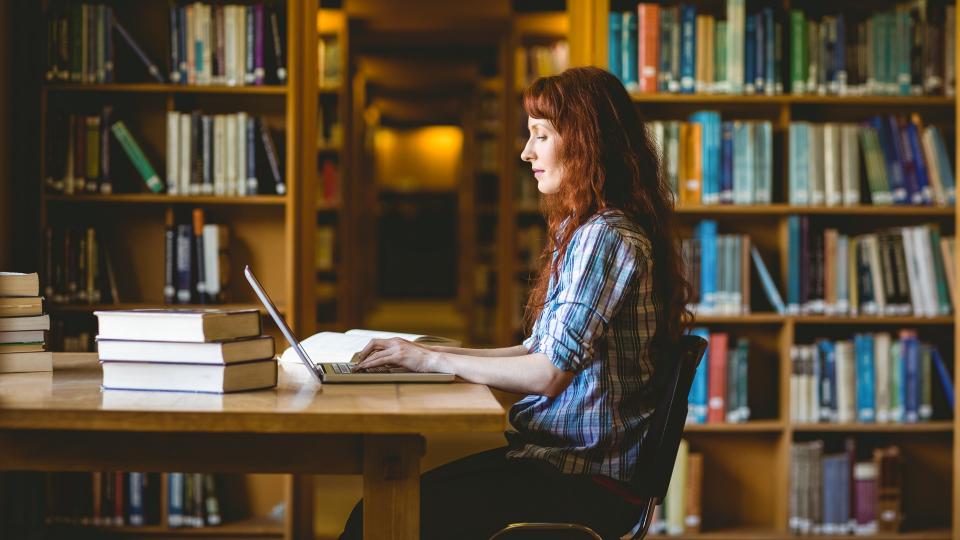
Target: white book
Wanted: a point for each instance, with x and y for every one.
(928, 277)
(230, 180)
(846, 382)
(799, 164)
(212, 236)
(336, 347)
(881, 351)
(831, 164)
(173, 152)
(225, 352)
(913, 275)
(850, 164)
(736, 14)
(182, 325)
(17, 324)
(242, 154)
(207, 44)
(815, 154)
(219, 155)
(229, 46)
(240, 44)
(185, 153)
(212, 378)
(26, 362)
(22, 336)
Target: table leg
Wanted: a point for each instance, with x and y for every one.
(391, 486)
(299, 515)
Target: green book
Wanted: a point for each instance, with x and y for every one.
(925, 410)
(943, 294)
(137, 156)
(798, 52)
(720, 57)
(896, 383)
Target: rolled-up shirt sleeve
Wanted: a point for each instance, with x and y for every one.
(594, 278)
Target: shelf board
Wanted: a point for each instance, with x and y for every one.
(786, 209)
(753, 426)
(770, 534)
(751, 318)
(329, 89)
(150, 198)
(160, 88)
(84, 308)
(789, 99)
(328, 206)
(907, 319)
(939, 426)
(244, 528)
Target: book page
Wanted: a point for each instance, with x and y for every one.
(328, 347)
(418, 338)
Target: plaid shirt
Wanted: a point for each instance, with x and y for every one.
(597, 323)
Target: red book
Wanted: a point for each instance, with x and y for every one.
(717, 377)
(648, 42)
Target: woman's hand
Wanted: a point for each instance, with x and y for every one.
(398, 352)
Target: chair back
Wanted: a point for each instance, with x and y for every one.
(658, 452)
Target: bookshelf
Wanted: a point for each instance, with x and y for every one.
(737, 501)
(264, 228)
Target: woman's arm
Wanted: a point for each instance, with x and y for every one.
(516, 350)
(522, 373)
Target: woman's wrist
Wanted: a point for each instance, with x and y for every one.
(438, 362)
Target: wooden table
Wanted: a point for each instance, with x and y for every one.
(63, 421)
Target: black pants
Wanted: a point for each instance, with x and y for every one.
(478, 495)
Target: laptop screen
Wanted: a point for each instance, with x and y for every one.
(275, 314)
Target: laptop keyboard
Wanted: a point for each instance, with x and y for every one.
(347, 368)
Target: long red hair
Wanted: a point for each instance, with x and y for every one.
(610, 162)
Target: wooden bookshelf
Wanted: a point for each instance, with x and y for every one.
(263, 229)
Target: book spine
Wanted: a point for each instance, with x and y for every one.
(271, 153)
(136, 155)
(184, 258)
(258, 68)
(688, 40)
(275, 14)
(249, 76)
(249, 131)
(151, 67)
(199, 260)
(798, 48)
(170, 268)
(175, 490)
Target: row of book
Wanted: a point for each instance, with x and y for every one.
(908, 50)
(77, 267)
(79, 149)
(196, 263)
(872, 378)
(898, 271)
(535, 61)
(835, 493)
(118, 499)
(707, 161)
(717, 267)
(211, 351)
(681, 511)
(72, 334)
(677, 49)
(209, 44)
(22, 325)
(219, 155)
(719, 392)
(904, 161)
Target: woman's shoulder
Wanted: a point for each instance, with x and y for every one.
(615, 225)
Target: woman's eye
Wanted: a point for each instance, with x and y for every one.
(542, 138)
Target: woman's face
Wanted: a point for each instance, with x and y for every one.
(541, 153)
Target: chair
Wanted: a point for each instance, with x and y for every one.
(657, 454)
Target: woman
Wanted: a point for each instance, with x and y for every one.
(609, 299)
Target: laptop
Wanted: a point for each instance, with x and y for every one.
(339, 372)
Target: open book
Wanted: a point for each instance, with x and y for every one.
(334, 347)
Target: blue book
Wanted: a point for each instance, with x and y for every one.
(888, 142)
(793, 264)
(710, 147)
(911, 378)
(698, 389)
(828, 380)
(763, 161)
(175, 517)
(866, 401)
(946, 381)
(743, 186)
(135, 511)
(770, 70)
(840, 55)
(614, 49)
(769, 287)
(666, 75)
(631, 66)
(750, 54)
(707, 233)
(919, 163)
(182, 42)
(760, 62)
(688, 48)
(906, 158)
(726, 163)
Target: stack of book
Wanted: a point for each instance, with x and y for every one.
(210, 350)
(22, 324)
